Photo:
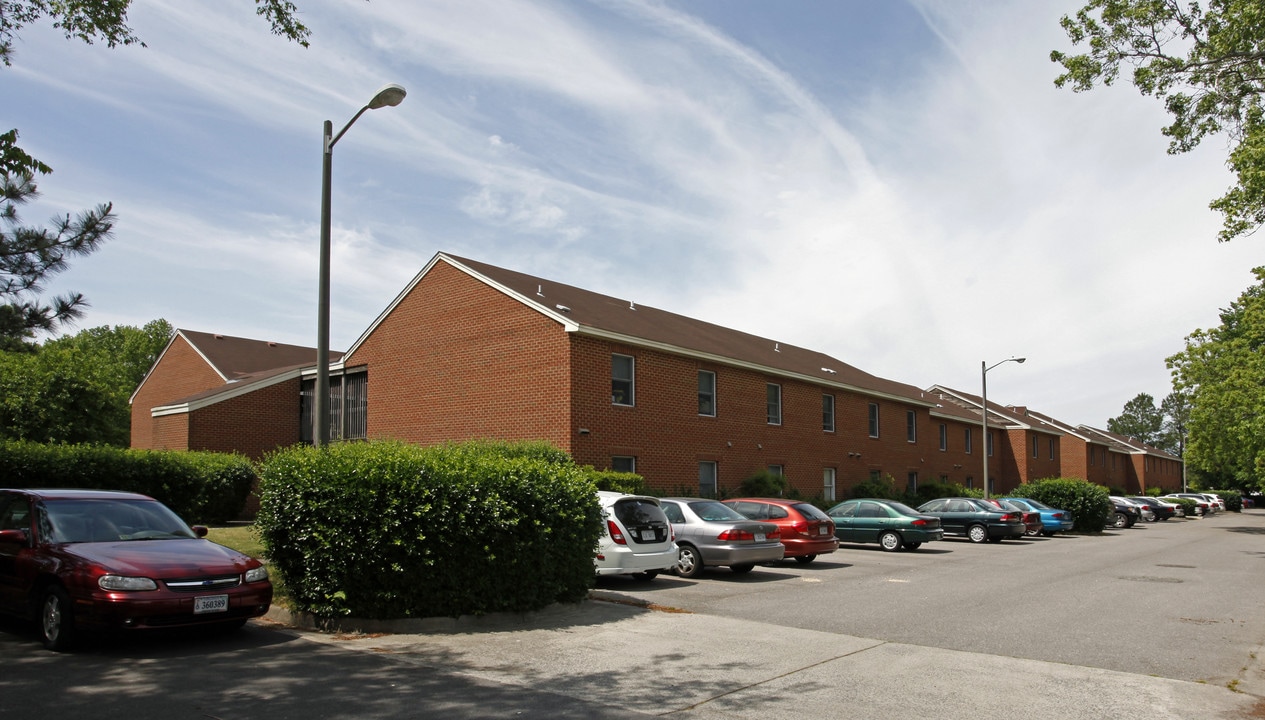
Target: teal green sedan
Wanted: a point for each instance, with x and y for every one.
(893, 525)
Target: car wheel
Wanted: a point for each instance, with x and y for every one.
(57, 620)
(977, 533)
(742, 569)
(1032, 533)
(1120, 520)
(911, 546)
(889, 541)
(805, 559)
(688, 562)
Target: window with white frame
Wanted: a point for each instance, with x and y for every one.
(966, 441)
(707, 393)
(1036, 446)
(1052, 447)
(873, 420)
(828, 413)
(624, 463)
(944, 437)
(773, 393)
(911, 426)
(777, 470)
(623, 383)
(707, 478)
(828, 484)
(911, 482)
(989, 442)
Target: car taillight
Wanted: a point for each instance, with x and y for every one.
(616, 535)
(800, 527)
(775, 535)
(918, 523)
(1010, 517)
(1058, 516)
(735, 535)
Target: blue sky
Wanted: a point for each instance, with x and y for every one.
(897, 184)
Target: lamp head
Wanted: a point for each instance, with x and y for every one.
(1020, 360)
(388, 95)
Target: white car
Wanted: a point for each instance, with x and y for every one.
(1215, 501)
(637, 538)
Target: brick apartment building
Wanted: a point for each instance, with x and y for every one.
(470, 350)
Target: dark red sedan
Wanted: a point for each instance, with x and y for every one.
(806, 530)
(75, 560)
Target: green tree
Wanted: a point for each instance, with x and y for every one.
(1176, 411)
(1140, 420)
(1222, 372)
(1207, 65)
(30, 255)
(75, 389)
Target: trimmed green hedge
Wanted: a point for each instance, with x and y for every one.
(1233, 499)
(1089, 504)
(630, 483)
(1189, 507)
(199, 486)
(390, 530)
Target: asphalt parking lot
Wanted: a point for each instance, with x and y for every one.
(954, 631)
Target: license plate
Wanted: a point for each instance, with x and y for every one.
(647, 535)
(759, 537)
(210, 604)
(823, 530)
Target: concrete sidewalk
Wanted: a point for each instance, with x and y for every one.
(657, 662)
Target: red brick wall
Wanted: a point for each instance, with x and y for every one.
(252, 424)
(668, 437)
(170, 432)
(180, 373)
(457, 359)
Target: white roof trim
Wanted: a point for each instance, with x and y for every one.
(233, 392)
(567, 323)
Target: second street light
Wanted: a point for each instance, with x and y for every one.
(389, 95)
(984, 368)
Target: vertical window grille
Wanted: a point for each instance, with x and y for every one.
(828, 413)
(774, 396)
(707, 393)
(622, 380)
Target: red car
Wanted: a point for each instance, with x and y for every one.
(807, 531)
(1032, 525)
(88, 559)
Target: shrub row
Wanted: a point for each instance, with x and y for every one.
(1089, 504)
(201, 487)
(390, 530)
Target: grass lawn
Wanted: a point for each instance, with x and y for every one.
(241, 538)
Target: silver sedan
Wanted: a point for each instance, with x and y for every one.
(711, 533)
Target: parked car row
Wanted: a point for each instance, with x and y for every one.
(684, 535)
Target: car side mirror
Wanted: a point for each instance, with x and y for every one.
(199, 530)
(14, 537)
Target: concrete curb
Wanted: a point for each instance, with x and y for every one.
(441, 625)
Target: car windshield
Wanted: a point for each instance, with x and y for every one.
(810, 512)
(713, 511)
(108, 520)
(1037, 504)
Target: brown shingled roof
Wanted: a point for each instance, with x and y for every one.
(602, 315)
(234, 358)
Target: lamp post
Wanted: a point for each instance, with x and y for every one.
(984, 368)
(388, 95)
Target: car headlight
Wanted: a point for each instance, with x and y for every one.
(257, 574)
(120, 582)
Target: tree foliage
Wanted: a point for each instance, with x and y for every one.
(30, 255)
(75, 389)
(1222, 372)
(1206, 64)
(1140, 420)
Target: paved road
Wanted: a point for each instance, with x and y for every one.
(1178, 599)
(867, 635)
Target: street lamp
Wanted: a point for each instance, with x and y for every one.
(389, 95)
(984, 368)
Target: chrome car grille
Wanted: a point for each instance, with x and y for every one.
(204, 584)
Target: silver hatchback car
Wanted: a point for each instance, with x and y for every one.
(709, 532)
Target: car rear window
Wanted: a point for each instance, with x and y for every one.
(635, 512)
(713, 511)
(810, 512)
